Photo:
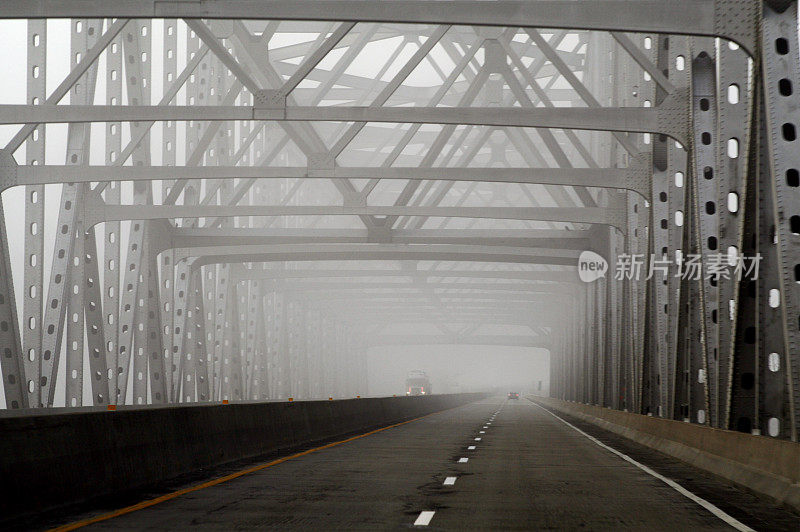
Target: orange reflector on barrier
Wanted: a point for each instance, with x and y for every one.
(224, 401)
(291, 399)
(112, 407)
(330, 398)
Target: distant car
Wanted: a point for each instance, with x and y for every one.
(513, 395)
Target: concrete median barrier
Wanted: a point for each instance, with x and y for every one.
(761, 464)
(49, 459)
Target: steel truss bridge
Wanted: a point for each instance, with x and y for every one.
(233, 200)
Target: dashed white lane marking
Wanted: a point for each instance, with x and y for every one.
(463, 460)
(449, 481)
(477, 439)
(424, 518)
(471, 448)
(482, 432)
(738, 525)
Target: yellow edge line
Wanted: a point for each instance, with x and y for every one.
(169, 496)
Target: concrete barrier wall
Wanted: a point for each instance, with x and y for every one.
(51, 459)
(759, 463)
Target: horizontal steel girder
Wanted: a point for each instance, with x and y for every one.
(542, 238)
(379, 317)
(450, 297)
(671, 118)
(636, 178)
(97, 212)
(480, 339)
(420, 312)
(438, 288)
(239, 272)
(730, 19)
(351, 252)
(530, 310)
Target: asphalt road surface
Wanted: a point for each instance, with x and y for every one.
(492, 465)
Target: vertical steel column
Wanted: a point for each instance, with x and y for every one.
(136, 50)
(662, 358)
(327, 353)
(83, 36)
(63, 256)
(705, 187)
(781, 78)
(154, 342)
(237, 304)
(303, 343)
(190, 374)
(733, 148)
(677, 165)
(137, 350)
(11, 360)
(34, 219)
(695, 363)
(204, 363)
(276, 345)
(191, 195)
(614, 358)
(747, 378)
(222, 330)
(291, 348)
(269, 370)
(261, 343)
(169, 158)
(93, 301)
(774, 393)
(251, 361)
(602, 313)
(282, 327)
(111, 230)
(181, 322)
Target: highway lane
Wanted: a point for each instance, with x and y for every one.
(528, 471)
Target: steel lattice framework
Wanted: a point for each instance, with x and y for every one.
(251, 192)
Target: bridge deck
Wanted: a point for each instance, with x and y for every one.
(528, 471)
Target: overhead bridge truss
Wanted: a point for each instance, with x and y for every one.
(238, 199)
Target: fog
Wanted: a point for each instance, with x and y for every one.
(468, 308)
(455, 369)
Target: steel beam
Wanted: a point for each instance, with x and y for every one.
(724, 18)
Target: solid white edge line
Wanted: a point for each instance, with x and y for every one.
(732, 521)
(449, 481)
(424, 518)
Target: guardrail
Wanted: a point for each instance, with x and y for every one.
(764, 465)
(50, 459)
